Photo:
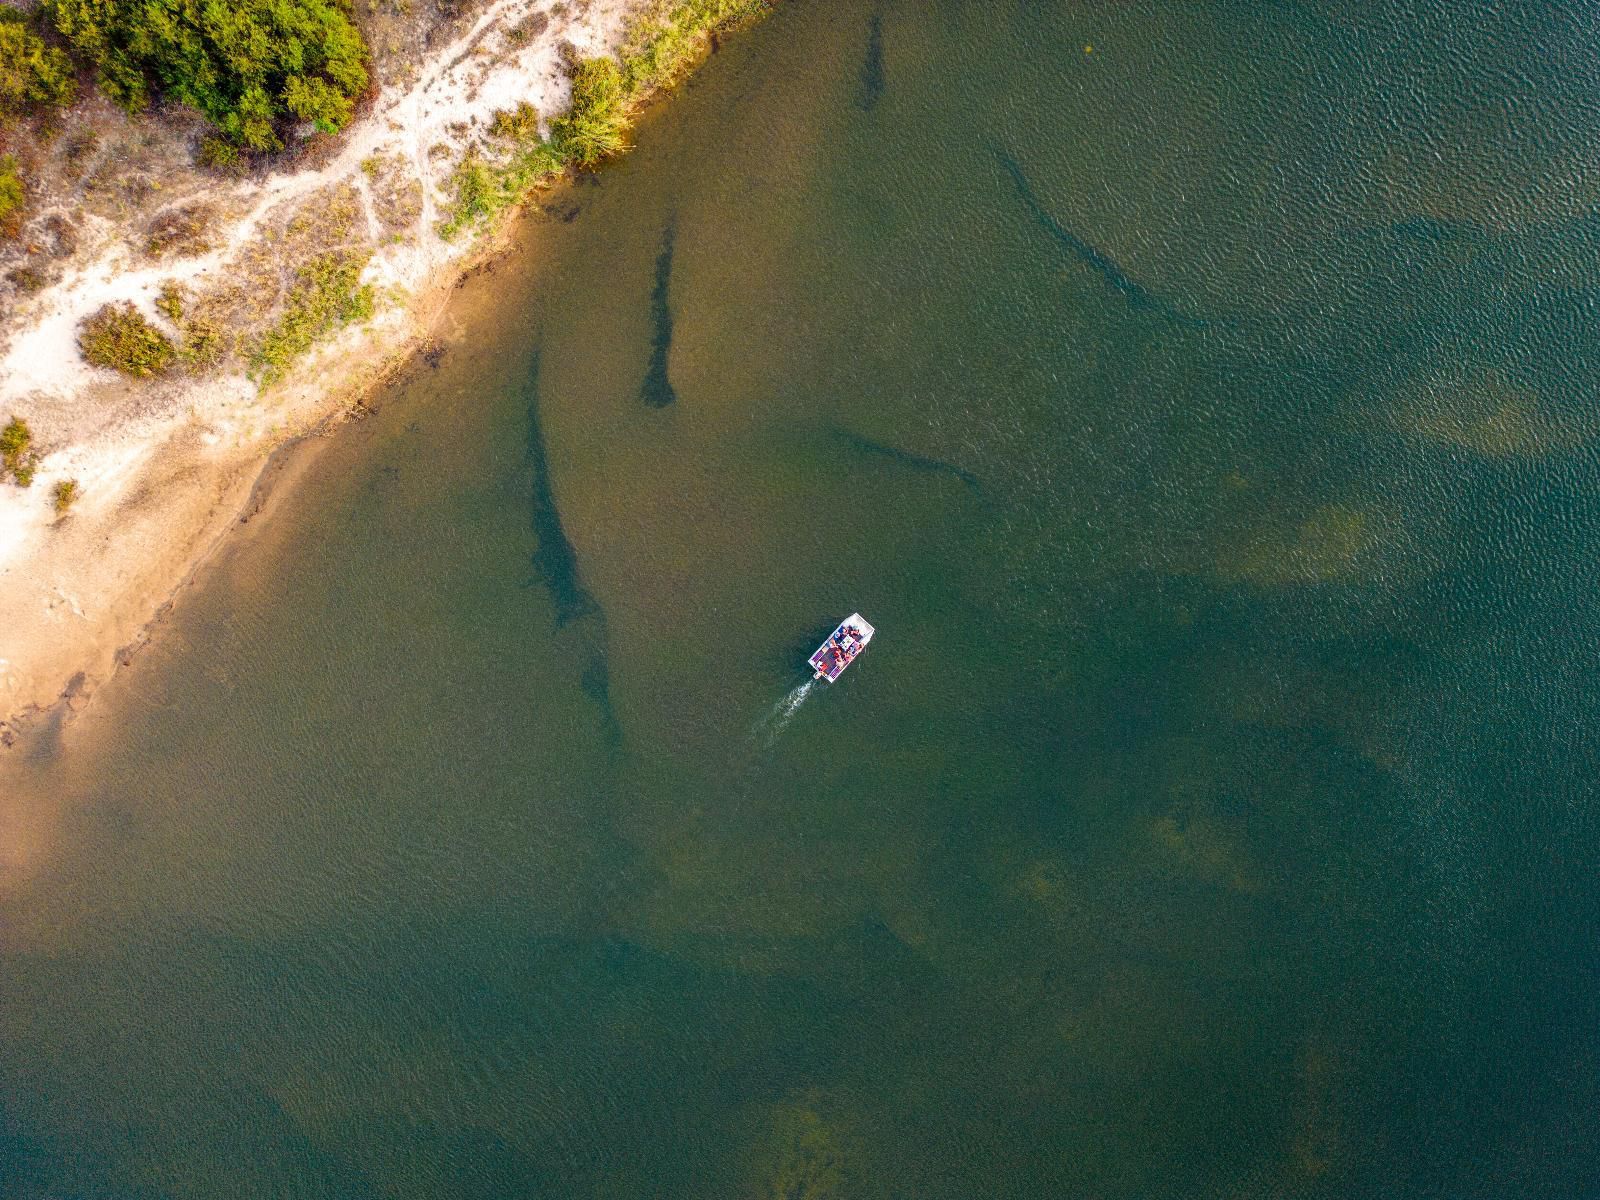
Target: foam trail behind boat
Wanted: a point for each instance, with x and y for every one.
(783, 711)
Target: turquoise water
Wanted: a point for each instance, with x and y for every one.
(1199, 398)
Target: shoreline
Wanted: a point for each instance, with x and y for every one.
(249, 485)
(244, 487)
(180, 463)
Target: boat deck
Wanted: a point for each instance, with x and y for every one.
(842, 648)
(830, 662)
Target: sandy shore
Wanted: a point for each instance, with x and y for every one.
(166, 468)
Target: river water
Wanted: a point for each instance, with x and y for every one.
(1198, 397)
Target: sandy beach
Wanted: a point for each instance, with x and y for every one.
(166, 467)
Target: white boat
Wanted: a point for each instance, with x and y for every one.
(841, 648)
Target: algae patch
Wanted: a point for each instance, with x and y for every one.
(1488, 413)
(1333, 543)
(1198, 846)
(803, 1153)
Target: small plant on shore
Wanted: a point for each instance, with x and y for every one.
(475, 195)
(525, 30)
(480, 190)
(519, 124)
(119, 336)
(203, 343)
(17, 456)
(12, 197)
(65, 493)
(594, 127)
(170, 301)
(221, 156)
(328, 293)
(661, 47)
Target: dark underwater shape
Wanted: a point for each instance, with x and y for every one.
(596, 684)
(1136, 295)
(657, 389)
(554, 561)
(872, 66)
(905, 458)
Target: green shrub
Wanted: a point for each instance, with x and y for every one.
(594, 128)
(12, 197)
(31, 73)
(327, 293)
(170, 301)
(15, 439)
(119, 337)
(665, 43)
(661, 45)
(203, 343)
(519, 124)
(251, 66)
(220, 154)
(17, 457)
(475, 194)
(66, 492)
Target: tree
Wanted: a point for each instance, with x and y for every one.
(31, 73)
(251, 66)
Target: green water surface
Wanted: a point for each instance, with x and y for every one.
(1200, 398)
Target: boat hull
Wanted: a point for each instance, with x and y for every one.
(842, 647)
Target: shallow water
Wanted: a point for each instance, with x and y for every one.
(1198, 398)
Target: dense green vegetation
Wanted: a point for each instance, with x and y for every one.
(31, 73)
(479, 189)
(664, 45)
(120, 337)
(251, 66)
(594, 127)
(660, 48)
(17, 457)
(328, 293)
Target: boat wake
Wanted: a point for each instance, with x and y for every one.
(780, 714)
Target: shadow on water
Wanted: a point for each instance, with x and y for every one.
(868, 448)
(555, 565)
(554, 561)
(1137, 296)
(657, 391)
(872, 81)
